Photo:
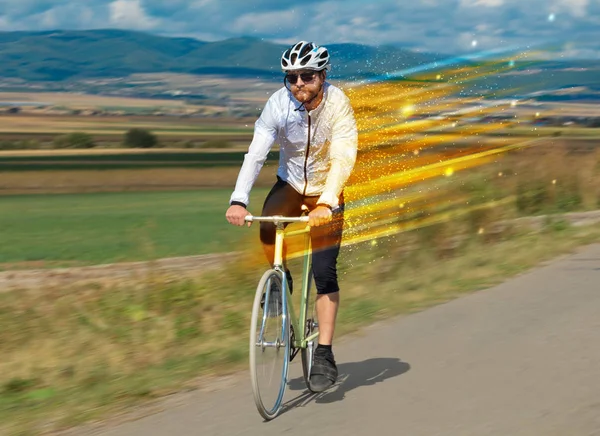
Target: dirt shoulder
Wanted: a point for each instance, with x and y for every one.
(107, 273)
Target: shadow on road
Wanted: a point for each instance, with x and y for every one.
(352, 375)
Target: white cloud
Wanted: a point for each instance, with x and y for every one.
(475, 3)
(86, 16)
(48, 19)
(199, 4)
(268, 21)
(130, 14)
(64, 16)
(4, 23)
(576, 8)
(581, 53)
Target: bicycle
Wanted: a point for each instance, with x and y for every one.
(273, 308)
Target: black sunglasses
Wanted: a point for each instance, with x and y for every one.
(306, 77)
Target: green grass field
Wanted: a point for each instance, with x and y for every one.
(32, 125)
(95, 228)
(109, 160)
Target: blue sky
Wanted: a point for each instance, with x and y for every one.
(457, 26)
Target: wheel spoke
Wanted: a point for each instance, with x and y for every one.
(311, 327)
(269, 346)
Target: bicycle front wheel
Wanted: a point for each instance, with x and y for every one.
(311, 327)
(269, 345)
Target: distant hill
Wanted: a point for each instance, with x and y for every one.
(60, 55)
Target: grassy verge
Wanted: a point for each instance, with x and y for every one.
(79, 354)
(123, 160)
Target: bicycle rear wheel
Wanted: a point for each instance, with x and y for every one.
(269, 345)
(311, 327)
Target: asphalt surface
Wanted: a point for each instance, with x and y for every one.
(519, 359)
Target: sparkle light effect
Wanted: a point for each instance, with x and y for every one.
(395, 185)
(450, 63)
(418, 132)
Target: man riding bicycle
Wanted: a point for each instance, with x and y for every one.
(313, 123)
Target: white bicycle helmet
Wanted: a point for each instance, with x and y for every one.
(305, 56)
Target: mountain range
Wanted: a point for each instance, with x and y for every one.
(61, 54)
(66, 56)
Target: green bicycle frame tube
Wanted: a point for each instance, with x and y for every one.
(301, 341)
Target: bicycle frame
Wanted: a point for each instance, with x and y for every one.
(298, 323)
(292, 336)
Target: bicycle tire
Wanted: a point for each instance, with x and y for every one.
(269, 411)
(310, 315)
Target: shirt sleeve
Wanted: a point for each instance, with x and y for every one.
(343, 149)
(265, 134)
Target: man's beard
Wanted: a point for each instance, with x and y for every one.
(305, 96)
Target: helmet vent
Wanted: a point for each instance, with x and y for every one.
(307, 48)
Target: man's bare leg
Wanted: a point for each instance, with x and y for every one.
(327, 307)
(269, 252)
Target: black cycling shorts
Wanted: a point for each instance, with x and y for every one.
(326, 239)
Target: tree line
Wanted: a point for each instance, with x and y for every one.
(133, 138)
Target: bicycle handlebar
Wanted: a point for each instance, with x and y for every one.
(277, 219)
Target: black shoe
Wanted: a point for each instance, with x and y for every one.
(324, 371)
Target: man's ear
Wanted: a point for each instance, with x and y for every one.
(323, 74)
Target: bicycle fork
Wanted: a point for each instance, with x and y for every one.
(277, 266)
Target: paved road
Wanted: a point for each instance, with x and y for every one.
(519, 359)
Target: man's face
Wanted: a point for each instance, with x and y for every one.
(305, 84)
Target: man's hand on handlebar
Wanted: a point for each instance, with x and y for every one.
(236, 215)
(319, 216)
